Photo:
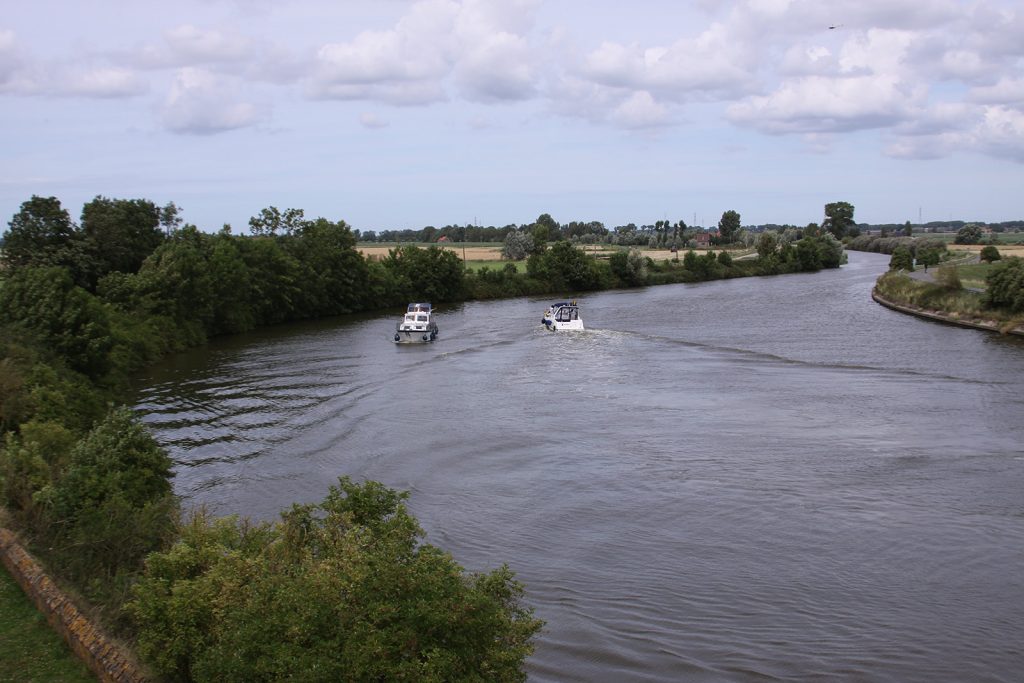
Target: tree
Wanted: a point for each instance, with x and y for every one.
(431, 274)
(729, 226)
(929, 256)
(989, 254)
(40, 234)
(332, 271)
(767, 244)
(969, 234)
(566, 267)
(114, 504)
(345, 590)
(170, 218)
(807, 254)
(46, 303)
(908, 229)
(902, 259)
(517, 246)
(271, 220)
(838, 219)
(120, 234)
(630, 267)
(1004, 286)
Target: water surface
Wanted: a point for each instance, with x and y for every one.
(744, 480)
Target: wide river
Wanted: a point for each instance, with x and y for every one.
(746, 480)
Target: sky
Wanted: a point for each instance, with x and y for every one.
(393, 114)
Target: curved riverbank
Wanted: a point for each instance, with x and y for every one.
(988, 325)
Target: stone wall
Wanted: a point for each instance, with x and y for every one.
(103, 656)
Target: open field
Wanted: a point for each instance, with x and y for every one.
(1004, 249)
(1003, 238)
(492, 252)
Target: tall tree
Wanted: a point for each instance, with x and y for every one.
(40, 234)
(729, 226)
(838, 219)
(271, 220)
(120, 233)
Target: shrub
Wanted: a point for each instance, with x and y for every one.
(1005, 285)
(902, 260)
(343, 590)
(989, 254)
(113, 504)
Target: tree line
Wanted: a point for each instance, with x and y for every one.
(85, 305)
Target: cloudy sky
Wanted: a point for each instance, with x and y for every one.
(401, 114)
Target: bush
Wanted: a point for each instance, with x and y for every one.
(990, 254)
(343, 590)
(113, 504)
(902, 260)
(1005, 285)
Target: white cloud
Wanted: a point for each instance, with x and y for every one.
(497, 68)
(202, 103)
(104, 82)
(1007, 90)
(404, 65)
(1001, 133)
(708, 65)
(815, 104)
(639, 111)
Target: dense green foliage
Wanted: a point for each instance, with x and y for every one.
(902, 259)
(839, 220)
(1005, 285)
(969, 234)
(341, 591)
(920, 248)
(989, 254)
(729, 226)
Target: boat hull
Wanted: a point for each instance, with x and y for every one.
(415, 336)
(572, 325)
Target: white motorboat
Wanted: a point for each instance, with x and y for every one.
(417, 326)
(564, 315)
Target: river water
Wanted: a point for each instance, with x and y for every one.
(745, 480)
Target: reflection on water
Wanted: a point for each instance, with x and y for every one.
(732, 481)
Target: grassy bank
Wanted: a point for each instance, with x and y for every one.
(29, 648)
(947, 300)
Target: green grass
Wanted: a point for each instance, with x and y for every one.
(29, 649)
(973, 275)
(949, 237)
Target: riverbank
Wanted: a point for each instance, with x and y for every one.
(952, 318)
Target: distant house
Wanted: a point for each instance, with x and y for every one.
(443, 238)
(703, 239)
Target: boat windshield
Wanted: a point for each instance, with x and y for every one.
(567, 313)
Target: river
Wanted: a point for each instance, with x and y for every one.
(743, 480)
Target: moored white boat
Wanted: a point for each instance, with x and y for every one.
(564, 315)
(417, 326)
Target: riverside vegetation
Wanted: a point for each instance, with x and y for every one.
(1000, 300)
(344, 590)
